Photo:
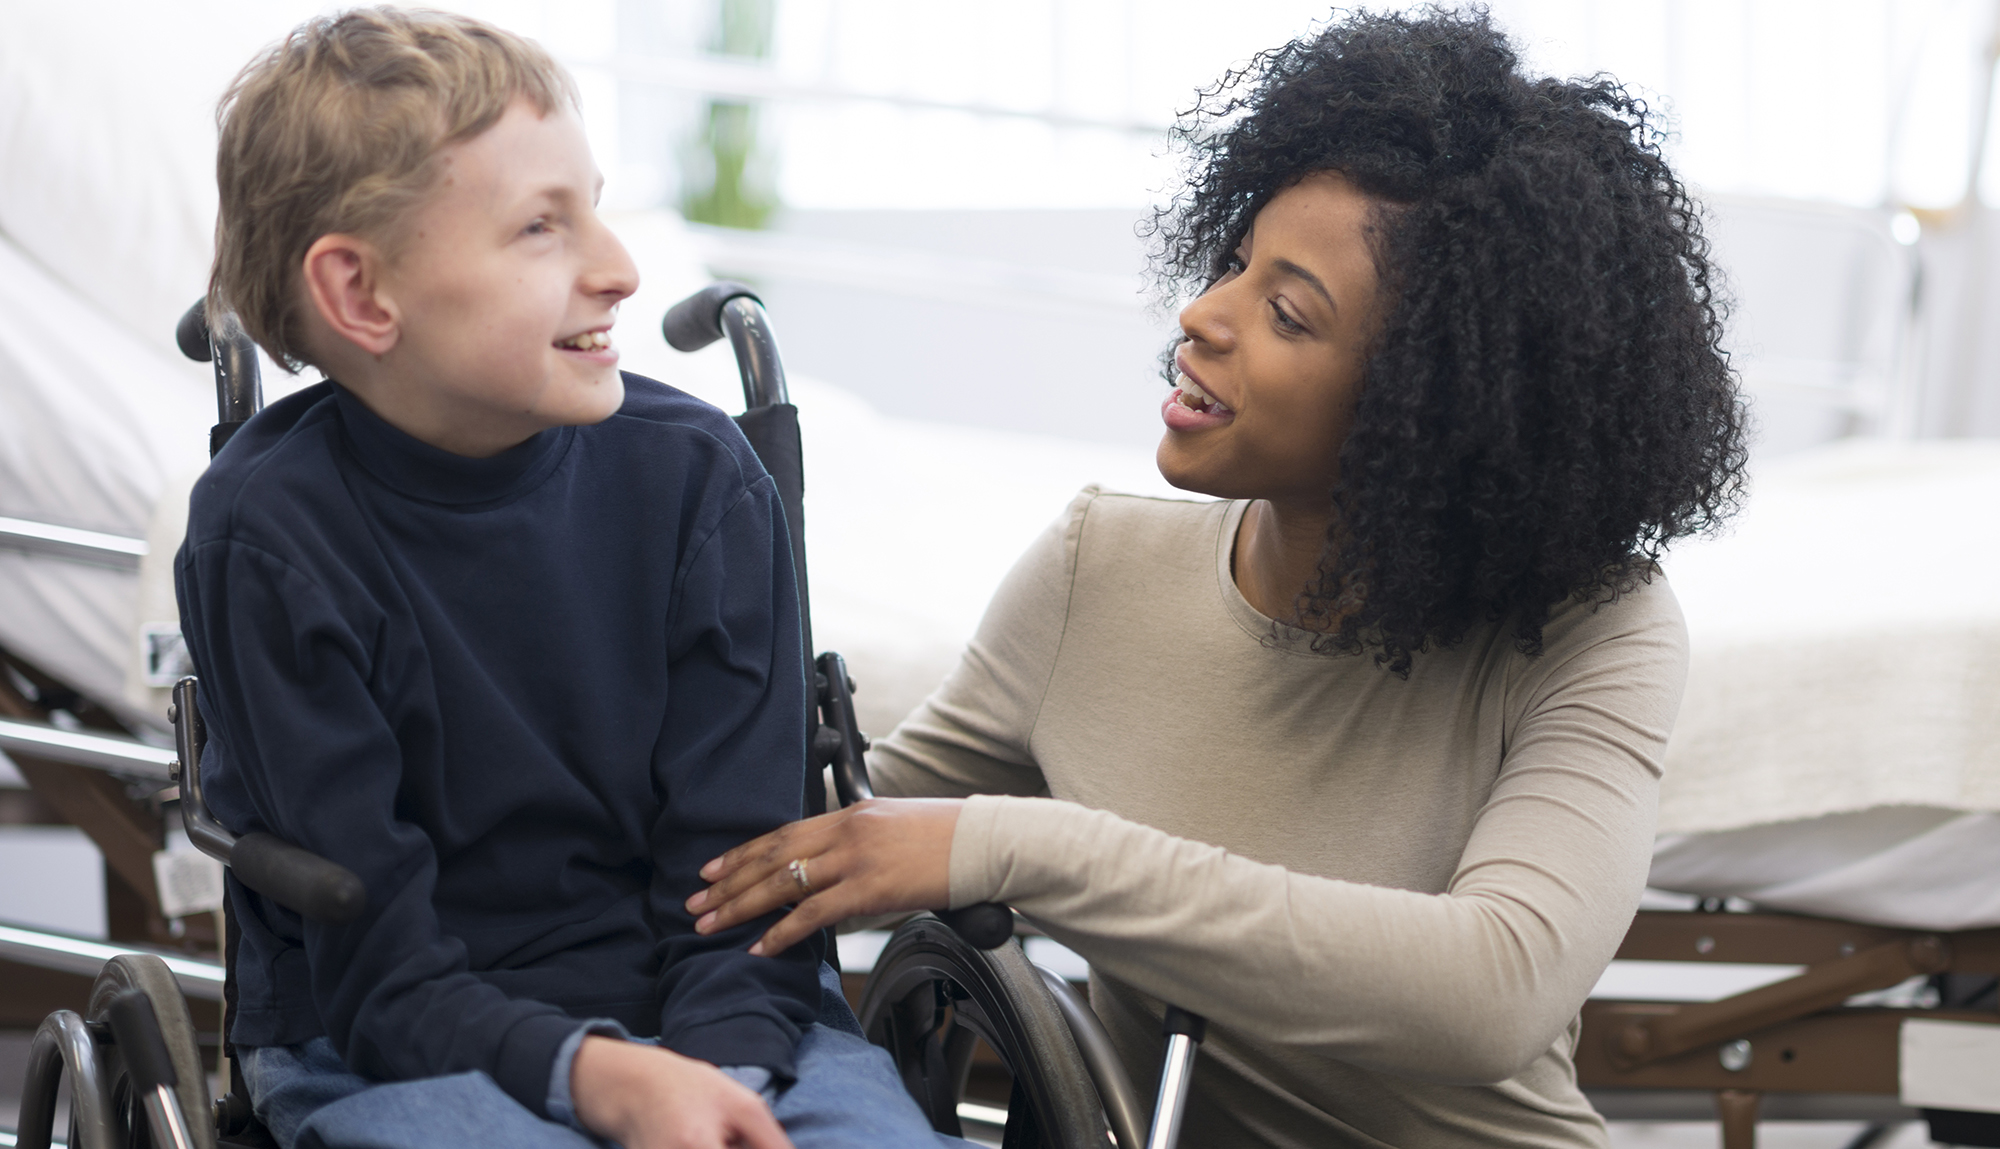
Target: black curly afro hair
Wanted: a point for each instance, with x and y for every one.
(1547, 404)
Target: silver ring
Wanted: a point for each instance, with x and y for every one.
(798, 869)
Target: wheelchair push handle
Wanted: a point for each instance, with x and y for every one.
(136, 1029)
(239, 388)
(733, 309)
(696, 322)
(191, 333)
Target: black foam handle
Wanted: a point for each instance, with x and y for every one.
(1179, 1020)
(302, 881)
(986, 925)
(696, 322)
(137, 1030)
(192, 333)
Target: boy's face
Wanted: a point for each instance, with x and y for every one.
(502, 293)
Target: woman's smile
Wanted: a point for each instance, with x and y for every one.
(1190, 407)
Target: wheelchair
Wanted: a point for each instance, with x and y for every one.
(944, 984)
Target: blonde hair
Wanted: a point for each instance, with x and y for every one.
(337, 129)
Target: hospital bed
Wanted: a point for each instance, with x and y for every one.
(1835, 766)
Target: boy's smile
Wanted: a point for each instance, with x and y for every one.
(488, 318)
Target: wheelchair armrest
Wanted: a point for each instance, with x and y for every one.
(297, 879)
(985, 925)
(288, 875)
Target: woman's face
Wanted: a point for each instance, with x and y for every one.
(1272, 362)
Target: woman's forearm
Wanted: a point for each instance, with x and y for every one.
(1465, 986)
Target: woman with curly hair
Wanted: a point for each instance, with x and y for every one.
(1361, 761)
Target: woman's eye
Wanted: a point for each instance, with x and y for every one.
(1284, 322)
(539, 227)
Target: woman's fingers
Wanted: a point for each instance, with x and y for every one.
(755, 852)
(764, 867)
(756, 860)
(776, 889)
(807, 918)
(878, 856)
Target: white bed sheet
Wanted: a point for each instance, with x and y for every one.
(93, 423)
(106, 213)
(1838, 751)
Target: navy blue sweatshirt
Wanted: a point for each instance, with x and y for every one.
(524, 698)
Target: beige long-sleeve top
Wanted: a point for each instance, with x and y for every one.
(1389, 897)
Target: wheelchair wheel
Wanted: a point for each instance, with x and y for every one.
(933, 996)
(150, 976)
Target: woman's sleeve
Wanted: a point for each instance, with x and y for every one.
(1466, 986)
(971, 736)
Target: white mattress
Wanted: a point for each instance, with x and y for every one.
(1838, 751)
(106, 210)
(93, 423)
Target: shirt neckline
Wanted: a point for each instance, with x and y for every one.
(412, 467)
(1267, 631)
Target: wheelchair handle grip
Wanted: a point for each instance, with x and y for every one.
(191, 333)
(696, 322)
(239, 392)
(137, 1030)
(316, 888)
(985, 925)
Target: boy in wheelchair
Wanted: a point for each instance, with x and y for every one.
(509, 635)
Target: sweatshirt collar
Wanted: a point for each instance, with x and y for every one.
(413, 467)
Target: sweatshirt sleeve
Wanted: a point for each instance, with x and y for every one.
(1466, 986)
(293, 728)
(972, 735)
(730, 767)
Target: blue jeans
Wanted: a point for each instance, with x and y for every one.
(847, 1096)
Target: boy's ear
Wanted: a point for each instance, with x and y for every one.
(342, 277)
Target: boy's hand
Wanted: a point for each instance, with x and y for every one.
(645, 1097)
(880, 856)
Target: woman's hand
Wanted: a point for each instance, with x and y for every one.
(881, 856)
(645, 1097)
